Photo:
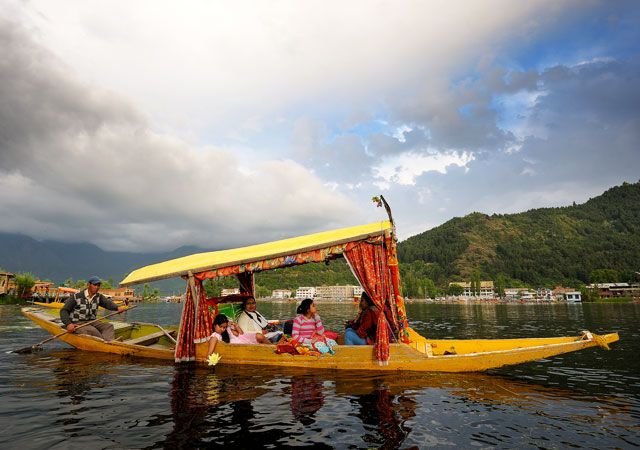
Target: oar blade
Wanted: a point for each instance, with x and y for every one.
(27, 350)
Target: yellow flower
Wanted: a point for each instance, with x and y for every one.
(213, 359)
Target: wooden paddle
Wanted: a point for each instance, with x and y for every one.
(37, 347)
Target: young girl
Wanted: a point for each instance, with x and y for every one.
(230, 332)
(307, 326)
(220, 333)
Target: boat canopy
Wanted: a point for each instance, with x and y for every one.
(370, 251)
(253, 257)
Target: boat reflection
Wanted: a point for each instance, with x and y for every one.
(306, 398)
(385, 415)
(231, 404)
(75, 374)
(256, 407)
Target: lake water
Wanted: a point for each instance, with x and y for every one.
(61, 398)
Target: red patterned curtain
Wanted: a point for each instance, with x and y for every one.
(185, 347)
(401, 318)
(247, 284)
(204, 315)
(369, 262)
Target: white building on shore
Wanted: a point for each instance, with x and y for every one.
(572, 297)
(226, 292)
(281, 293)
(329, 292)
(335, 292)
(305, 292)
(485, 289)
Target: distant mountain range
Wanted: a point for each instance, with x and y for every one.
(57, 261)
(572, 244)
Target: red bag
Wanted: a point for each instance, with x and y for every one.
(331, 335)
(287, 346)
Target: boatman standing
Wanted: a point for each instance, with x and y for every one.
(83, 306)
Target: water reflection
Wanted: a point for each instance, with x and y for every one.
(385, 416)
(74, 379)
(258, 406)
(188, 407)
(306, 398)
(62, 398)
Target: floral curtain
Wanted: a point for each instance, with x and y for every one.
(369, 263)
(247, 284)
(401, 318)
(185, 347)
(204, 315)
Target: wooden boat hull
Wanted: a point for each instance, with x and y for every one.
(473, 355)
(92, 344)
(490, 354)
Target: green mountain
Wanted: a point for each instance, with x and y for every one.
(592, 242)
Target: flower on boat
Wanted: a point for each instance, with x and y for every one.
(213, 359)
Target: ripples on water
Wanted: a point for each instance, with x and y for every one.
(63, 398)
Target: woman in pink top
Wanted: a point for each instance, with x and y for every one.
(307, 326)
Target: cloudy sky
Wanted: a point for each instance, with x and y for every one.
(147, 125)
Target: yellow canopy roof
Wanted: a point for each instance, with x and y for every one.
(200, 262)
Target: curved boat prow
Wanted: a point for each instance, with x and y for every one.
(611, 337)
(602, 340)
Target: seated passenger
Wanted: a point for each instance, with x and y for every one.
(307, 326)
(362, 330)
(252, 321)
(229, 332)
(220, 333)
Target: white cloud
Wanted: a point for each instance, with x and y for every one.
(201, 65)
(404, 168)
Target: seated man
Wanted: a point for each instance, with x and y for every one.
(82, 307)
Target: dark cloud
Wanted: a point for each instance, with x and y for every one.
(80, 164)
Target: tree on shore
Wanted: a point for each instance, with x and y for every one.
(149, 294)
(24, 283)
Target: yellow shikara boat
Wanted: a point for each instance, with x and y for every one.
(370, 251)
(58, 300)
(135, 339)
(473, 355)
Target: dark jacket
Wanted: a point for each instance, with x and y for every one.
(78, 308)
(366, 324)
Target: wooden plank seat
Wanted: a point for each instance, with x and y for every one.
(146, 339)
(122, 327)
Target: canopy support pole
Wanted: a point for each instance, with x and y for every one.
(192, 286)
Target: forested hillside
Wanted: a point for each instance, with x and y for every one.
(596, 241)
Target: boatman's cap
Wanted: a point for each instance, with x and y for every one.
(94, 280)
